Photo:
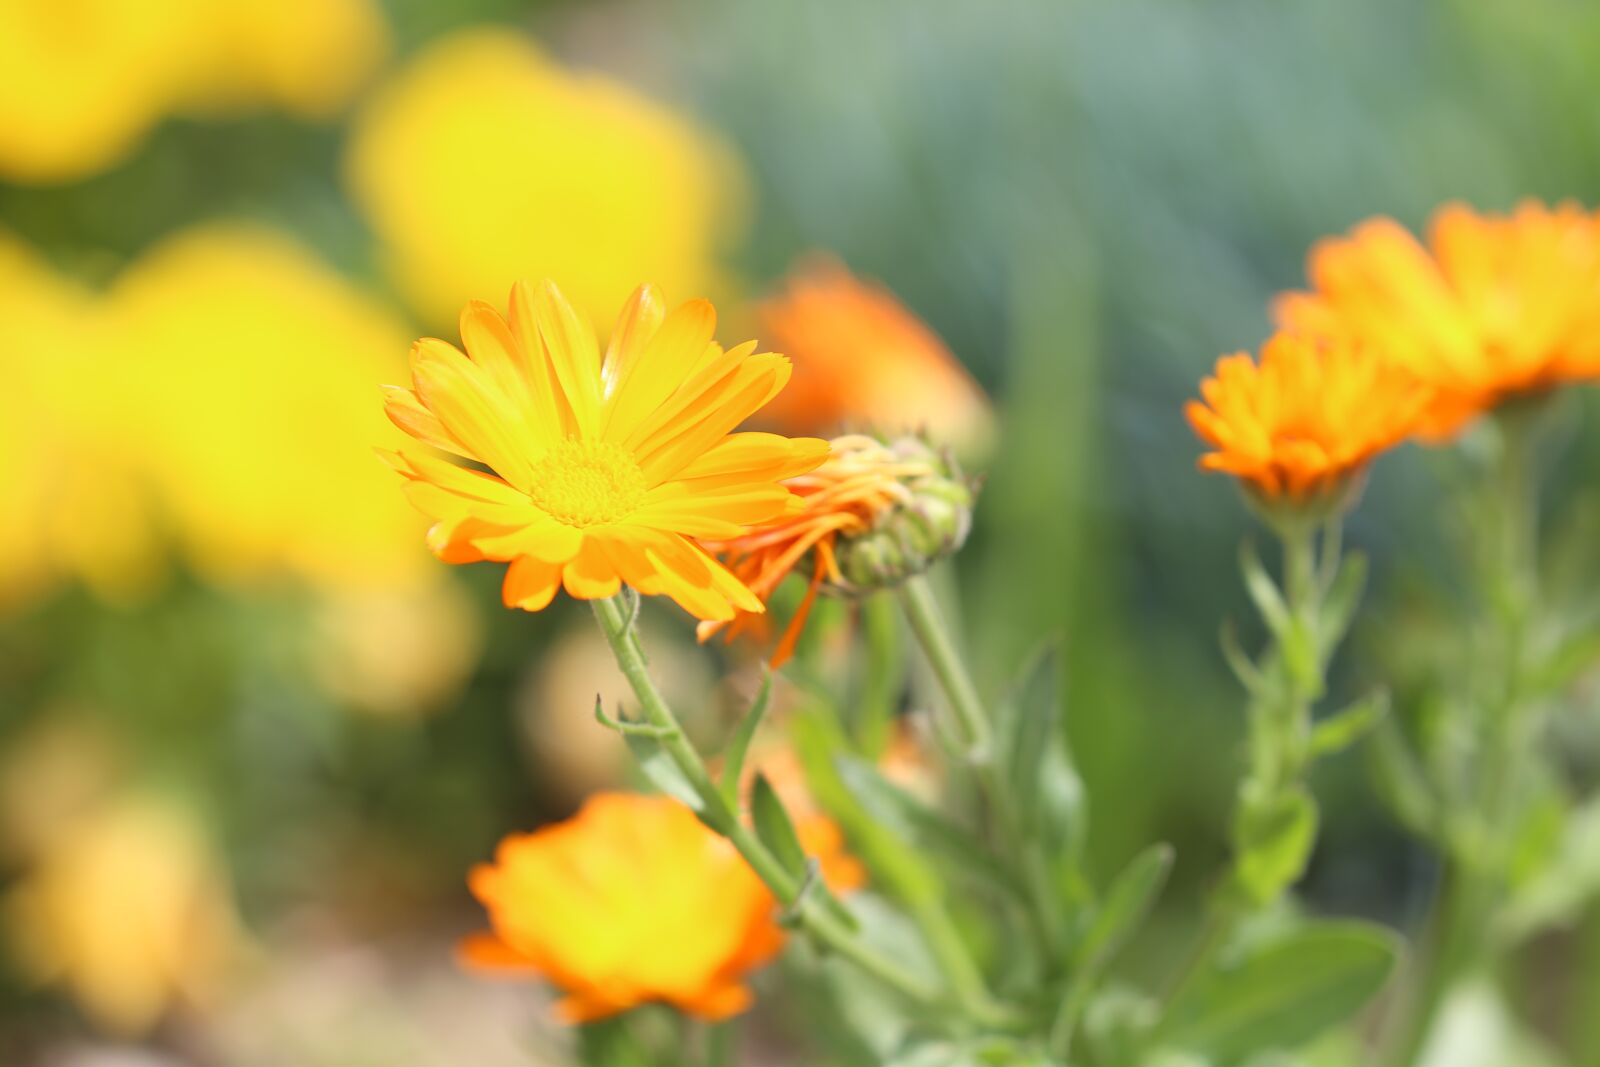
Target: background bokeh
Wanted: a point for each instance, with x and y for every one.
(238, 699)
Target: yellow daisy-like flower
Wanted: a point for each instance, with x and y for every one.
(600, 470)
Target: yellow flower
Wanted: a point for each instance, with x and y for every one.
(866, 362)
(71, 503)
(86, 79)
(249, 366)
(632, 900)
(601, 472)
(485, 162)
(1495, 306)
(129, 910)
(849, 496)
(307, 57)
(1304, 421)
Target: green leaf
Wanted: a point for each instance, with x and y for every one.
(1048, 796)
(775, 828)
(1282, 993)
(1401, 781)
(739, 744)
(777, 832)
(1344, 728)
(1340, 604)
(659, 769)
(1128, 900)
(1263, 590)
(1273, 838)
(908, 819)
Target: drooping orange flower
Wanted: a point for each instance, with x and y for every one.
(860, 481)
(1494, 306)
(866, 362)
(1306, 418)
(600, 471)
(631, 901)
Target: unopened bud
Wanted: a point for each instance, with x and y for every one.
(928, 521)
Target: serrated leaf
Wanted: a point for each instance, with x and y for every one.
(1282, 993)
(733, 756)
(1273, 839)
(1344, 728)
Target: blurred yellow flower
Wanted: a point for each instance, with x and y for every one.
(865, 362)
(307, 57)
(250, 365)
(1307, 418)
(129, 910)
(71, 504)
(485, 162)
(86, 79)
(1494, 306)
(600, 471)
(632, 900)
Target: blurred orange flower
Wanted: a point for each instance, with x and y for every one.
(632, 900)
(602, 471)
(866, 362)
(1307, 417)
(859, 481)
(1494, 306)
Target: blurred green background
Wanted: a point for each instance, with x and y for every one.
(1088, 201)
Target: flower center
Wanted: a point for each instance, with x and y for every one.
(587, 483)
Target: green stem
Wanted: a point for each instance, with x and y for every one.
(1472, 884)
(927, 622)
(616, 622)
(933, 635)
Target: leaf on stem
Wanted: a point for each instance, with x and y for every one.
(1281, 994)
(1345, 727)
(1340, 604)
(1273, 837)
(1264, 592)
(739, 745)
(1048, 796)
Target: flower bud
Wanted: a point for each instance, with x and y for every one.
(929, 520)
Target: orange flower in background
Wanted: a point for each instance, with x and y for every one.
(1307, 417)
(600, 471)
(631, 901)
(866, 362)
(860, 481)
(1493, 306)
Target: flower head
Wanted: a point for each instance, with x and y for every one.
(485, 160)
(632, 900)
(1493, 306)
(870, 516)
(600, 472)
(1298, 425)
(866, 362)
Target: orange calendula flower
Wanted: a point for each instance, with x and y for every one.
(867, 362)
(600, 470)
(1299, 424)
(1493, 306)
(861, 482)
(633, 900)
